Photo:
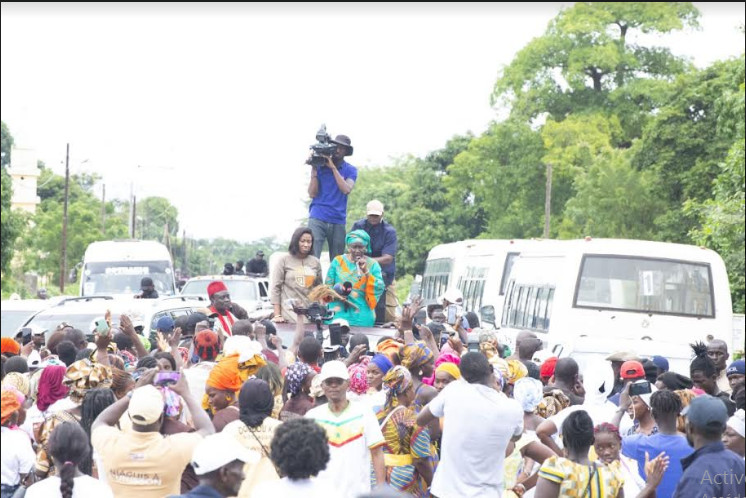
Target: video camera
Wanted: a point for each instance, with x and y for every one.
(323, 147)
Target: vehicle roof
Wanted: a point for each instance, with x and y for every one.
(642, 248)
(25, 304)
(225, 277)
(126, 250)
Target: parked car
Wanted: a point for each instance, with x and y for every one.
(251, 293)
(82, 312)
(15, 312)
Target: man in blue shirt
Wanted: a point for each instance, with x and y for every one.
(329, 187)
(711, 470)
(666, 406)
(383, 244)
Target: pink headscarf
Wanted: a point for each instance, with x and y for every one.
(51, 388)
(443, 358)
(359, 376)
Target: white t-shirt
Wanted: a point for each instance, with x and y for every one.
(83, 487)
(308, 488)
(352, 434)
(478, 423)
(17, 455)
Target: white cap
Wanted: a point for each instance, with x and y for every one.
(342, 322)
(736, 422)
(452, 295)
(375, 207)
(36, 330)
(333, 370)
(34, 359)
(218, 450)
(243, 346)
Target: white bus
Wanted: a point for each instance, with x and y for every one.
(588, 298)
(479, 268)
(115, 267)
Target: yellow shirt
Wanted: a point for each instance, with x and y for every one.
(143, 464)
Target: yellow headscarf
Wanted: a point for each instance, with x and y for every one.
(449, 368)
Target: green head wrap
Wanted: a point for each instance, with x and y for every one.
(358, 236)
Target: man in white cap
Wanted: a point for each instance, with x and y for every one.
(218, 461)
(383, 244)
(355, 439)
(142, 462)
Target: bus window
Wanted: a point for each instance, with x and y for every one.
(509, 260)
(645, 285)
(548, 311)
(508, 304)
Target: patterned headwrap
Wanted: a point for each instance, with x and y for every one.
(250, 367)
(397, 380)
(359, 376)
(294, 377)
(415, 355)
(389, 347)
(500, 366)
(51, 388)
(528, 392)
(449, 368)
(358, 236)
(552, 403)
(516, 370)
(382, 362)
(9, 405)
(82, 376)
(129, 359)
(224, 376)
(17, 381)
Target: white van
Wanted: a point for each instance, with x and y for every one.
(479, 268)
(115, 267)
(588, 298)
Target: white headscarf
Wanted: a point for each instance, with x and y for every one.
(738, 422)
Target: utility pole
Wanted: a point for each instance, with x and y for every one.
(63, 260)
(548, 201)
(103, 211)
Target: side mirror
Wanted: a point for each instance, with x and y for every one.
(488, 314)
(73, 275)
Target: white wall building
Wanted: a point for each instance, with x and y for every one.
(25, 173)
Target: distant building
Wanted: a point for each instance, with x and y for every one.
(24, 171)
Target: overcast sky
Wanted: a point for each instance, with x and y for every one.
(214, 106)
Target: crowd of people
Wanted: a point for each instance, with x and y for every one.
(236, 413)
(214, 405)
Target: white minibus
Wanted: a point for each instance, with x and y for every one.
(588, 298)
(115, 267)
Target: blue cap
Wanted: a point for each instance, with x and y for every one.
(660, 362)
(706, 412)
(738, 367)
(165, 324)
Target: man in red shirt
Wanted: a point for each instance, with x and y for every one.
(220, 303)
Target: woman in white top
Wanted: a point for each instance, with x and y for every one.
(294, 275)
(68, 446)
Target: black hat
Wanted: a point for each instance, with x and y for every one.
(343, 140)
(146, 282)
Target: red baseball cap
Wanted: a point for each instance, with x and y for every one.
(632, 370)
(547, 368)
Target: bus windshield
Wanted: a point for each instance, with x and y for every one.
(645, 285)
(123, 277)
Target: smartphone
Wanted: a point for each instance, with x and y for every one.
(473, 346)
(335, 334)
(166, 378)
(452, 312)
(102, 326)
(640, 387)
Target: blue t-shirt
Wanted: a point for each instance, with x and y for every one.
(330, 204)
(382, 241)
(675, 447)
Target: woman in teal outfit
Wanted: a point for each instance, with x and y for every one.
(359, 274)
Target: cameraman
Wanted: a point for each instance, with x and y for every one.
(330, 185)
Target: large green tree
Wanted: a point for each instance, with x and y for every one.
(586, 60)
(10, 222)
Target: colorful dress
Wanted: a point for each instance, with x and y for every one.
(366, 290)
(582, 481)
(404, 442)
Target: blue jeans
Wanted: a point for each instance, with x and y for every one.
(7, 491)
(333, 232)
